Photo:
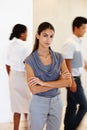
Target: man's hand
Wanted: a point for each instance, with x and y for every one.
(73, 88)
(85, 65)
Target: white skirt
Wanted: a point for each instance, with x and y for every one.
(19, 92)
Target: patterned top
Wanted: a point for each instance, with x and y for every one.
(49, 72)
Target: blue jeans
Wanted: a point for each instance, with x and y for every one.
(76, 107)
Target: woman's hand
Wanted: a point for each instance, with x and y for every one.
(35, 81)
(65, 75)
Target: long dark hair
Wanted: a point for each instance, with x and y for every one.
(17, 30)
(42, 26)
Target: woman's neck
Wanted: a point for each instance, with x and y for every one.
(43, 52)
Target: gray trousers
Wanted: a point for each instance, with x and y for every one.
(45, 111)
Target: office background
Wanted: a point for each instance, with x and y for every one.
(31, 13)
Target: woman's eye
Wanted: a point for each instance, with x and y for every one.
(45, 35)
(51, 36)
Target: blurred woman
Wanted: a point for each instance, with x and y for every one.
(19, 92)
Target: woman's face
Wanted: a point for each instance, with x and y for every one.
(45, 38)
(24, 36)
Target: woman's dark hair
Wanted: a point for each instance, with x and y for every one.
(43, 26)
(17, 30)
(78, 21)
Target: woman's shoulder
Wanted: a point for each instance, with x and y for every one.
(58, 54)
(29, 59)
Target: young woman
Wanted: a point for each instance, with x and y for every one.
(16, 54)
(43, 69)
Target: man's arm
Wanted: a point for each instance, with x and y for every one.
(73, 88)
(85, 65)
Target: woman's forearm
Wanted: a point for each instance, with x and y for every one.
(38, 89)
(50, 85)
(59, 83)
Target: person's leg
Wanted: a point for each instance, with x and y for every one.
(81, 100)
(26, 116)
(16, 120)
(39, 108)
(26, 121)
(55, 114)
(70, 112)
(77, 98)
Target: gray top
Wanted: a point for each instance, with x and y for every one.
(49, 72)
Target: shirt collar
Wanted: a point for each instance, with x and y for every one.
(76, 38)
(17, 40)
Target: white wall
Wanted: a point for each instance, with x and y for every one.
(11, 13)
(61, 13)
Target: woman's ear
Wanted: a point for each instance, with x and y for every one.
(37, 35)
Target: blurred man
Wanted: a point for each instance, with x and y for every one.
(76, 100)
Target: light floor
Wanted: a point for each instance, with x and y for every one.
(9, 126)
